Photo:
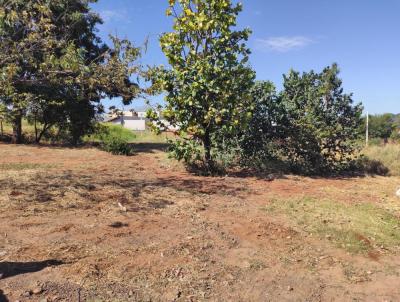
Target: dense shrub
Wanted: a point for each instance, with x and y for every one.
(321, 121)
(113, 138)
(311, 126)
(260, 142)
(117, 145)
(372, 166)
(388, 155)
(102, 131)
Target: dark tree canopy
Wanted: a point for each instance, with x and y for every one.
(54, 67)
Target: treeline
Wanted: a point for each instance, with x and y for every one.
(55, 70)
(384, 127)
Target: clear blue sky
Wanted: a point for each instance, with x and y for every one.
(362, 36)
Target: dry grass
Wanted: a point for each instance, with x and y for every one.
(388, 155)
(24, 166)
(358, 227)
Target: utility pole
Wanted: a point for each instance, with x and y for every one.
(367, 130)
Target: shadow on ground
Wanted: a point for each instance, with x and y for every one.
(11, 269)
(149, 147)
(138, 147)
(3, 298)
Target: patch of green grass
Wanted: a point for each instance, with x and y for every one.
(150, 137)
(106, 131)
(357, 228)
(388, 155)
(24, 166)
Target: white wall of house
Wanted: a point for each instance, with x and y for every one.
(138, 121)
(168, 126)
(141, 114)
(135, 125)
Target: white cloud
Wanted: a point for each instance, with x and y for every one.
(284, 43)
(112, 15)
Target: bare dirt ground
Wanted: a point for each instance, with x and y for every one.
(84, 225)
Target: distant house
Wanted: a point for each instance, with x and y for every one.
(135, 120)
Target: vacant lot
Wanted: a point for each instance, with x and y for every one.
(81, 224)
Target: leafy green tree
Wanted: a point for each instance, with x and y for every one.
(207, 87)
(322, 121)
(51, 60)
(26, 42)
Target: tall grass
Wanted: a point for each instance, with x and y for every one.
(388, 155)
(150, 137)
(105, 131)
(113, 138)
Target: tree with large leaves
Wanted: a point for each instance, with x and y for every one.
(208, 83)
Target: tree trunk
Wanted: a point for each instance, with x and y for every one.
(42, 132)
(1, 128)
(17, 129)
(40, 135)
(207, 151)
(36, 131)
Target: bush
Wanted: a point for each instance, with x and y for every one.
(388, 155)
(371, 166)
(311, 126)
(113, 138)
(104, 131)
(117, 145)
(322, 122)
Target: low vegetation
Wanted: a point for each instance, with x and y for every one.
(23, 166)
(113, 138)
(387, 155)
(358, 227)
(105, 131)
